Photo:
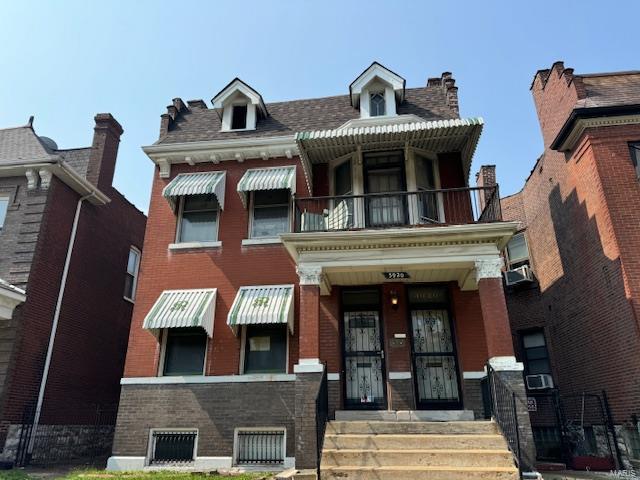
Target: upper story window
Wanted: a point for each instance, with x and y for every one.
(239, 106)
(536, 355)
(4, 205)
(517, 251)
(377, 91)
(239, 117)
(377, 107)
(198, 219)
(634, 149)
(131, 280)
(270, 213)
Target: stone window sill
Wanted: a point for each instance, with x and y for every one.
(194, 245)
(261, 241)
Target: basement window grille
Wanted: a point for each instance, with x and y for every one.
(173, 446)
(260, 447)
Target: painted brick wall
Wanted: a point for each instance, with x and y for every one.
(226, 268)
(583, 230)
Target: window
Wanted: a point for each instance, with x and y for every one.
(517, 251)
(634, 149)
(425, 182)
(377, 104)
(131, 280)
(199, 219)
(239, 117)
(270, 213)
(184, 351)
(260, 447)
(265, 349)
(342, 179)
(173, 446)
(4, 205)
(536, 356)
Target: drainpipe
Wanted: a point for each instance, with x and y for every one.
(56, 317)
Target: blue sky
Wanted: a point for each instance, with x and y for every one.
(64, 61)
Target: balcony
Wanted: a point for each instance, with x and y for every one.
(454, 206)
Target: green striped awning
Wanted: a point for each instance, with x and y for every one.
(271, 178)
(202, 183)
(264, 304)
(182, 308)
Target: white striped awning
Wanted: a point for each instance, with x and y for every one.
(202, 183)
(182, 308)
(260, 305)
(271, 178)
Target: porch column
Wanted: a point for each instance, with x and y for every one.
(309, 370)
(494, 308)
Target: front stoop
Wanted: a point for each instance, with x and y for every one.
(387, 450)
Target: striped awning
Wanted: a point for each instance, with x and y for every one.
(182, 308)
(272, 178)
(202, 183)
(260, 305)
(437, 136)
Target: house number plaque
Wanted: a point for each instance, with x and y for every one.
(396, 275)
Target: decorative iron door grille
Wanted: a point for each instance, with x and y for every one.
(364, 360)
(434, 357)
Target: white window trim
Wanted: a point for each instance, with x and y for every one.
(135, 274)
(163, 350)
(412, 181)
(227, 116)
(152, 445)
(259, 240)
(180, 244)
(6, 198)
(389, 99)
(243, 346)
(524, 259)
(259, 429)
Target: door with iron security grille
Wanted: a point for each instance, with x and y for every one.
(364, 360)
(434, 358)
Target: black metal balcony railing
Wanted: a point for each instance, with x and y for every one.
(452, 206)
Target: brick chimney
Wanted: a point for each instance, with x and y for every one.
(486, 177)
(104, 150)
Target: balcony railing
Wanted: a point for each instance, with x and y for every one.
(452, 206)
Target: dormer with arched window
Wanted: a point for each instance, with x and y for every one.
(377, 92)
(239, 106)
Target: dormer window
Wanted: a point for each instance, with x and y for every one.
(377, 107)
(239, 106)
(239, 117)
(377, 92)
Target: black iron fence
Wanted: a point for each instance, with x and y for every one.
(79, 436)
(503, 401)
(322, 414)
(394, 209)
(258, 447)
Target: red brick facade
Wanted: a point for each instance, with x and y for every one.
(583, 230)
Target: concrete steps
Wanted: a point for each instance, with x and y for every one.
(386, 450)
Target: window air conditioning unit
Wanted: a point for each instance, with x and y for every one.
(539, 382)
(518, 275)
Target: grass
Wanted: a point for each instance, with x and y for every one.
(164, 475)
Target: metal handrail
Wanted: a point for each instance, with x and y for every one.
(504, 412)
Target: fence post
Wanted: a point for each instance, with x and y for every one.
(612, 429)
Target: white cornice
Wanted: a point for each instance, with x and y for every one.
(497, 234)
(10, 298)
(63, 171)
(583, 123)
(215, 151)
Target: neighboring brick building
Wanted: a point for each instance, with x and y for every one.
(290, 240)
(578, 213)
(65, 240)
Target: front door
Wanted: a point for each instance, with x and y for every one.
(433, 348)
(364, 371)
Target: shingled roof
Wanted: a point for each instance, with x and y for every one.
(196, 124)
(610, 89)
(20, 145)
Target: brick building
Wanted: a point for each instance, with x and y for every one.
(69, 248)
(295, 243)
(576, 323)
